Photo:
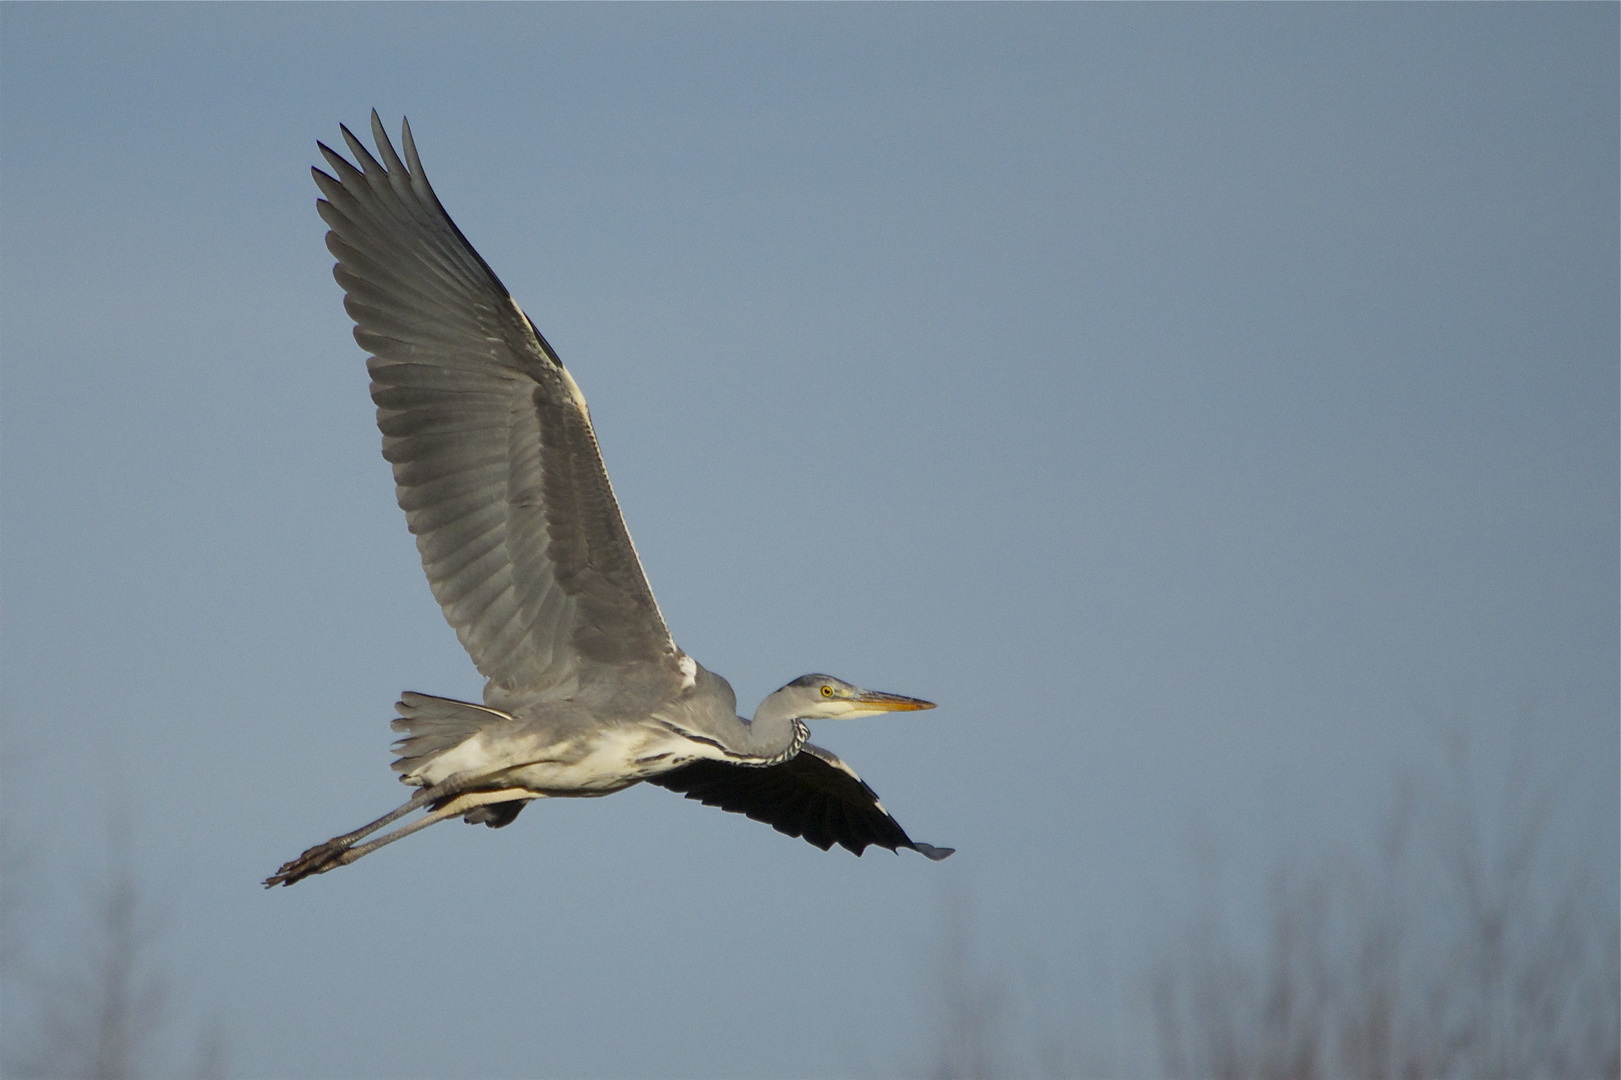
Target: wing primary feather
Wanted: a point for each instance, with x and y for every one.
(495, 462)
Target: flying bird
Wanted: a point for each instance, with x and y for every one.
(497, 468)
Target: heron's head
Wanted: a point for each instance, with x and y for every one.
(822, 697)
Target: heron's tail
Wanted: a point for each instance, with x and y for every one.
(433, 725)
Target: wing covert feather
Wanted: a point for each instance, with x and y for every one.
(495, 461)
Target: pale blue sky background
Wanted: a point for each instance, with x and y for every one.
(1213, 408)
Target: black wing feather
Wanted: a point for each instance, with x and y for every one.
(812, 795)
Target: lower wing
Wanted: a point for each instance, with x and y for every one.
(813, 794)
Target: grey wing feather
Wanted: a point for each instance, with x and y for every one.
(495, 461)
(813, 794)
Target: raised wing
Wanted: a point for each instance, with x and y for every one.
(495, 462)
(813, 794)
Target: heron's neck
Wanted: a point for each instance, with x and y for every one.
(775, 732)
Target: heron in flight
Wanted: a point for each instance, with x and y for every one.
(497, 469)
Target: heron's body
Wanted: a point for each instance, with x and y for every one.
(552, 758)
(497, 468)
(598, 741)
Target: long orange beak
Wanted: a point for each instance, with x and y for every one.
(892, 702)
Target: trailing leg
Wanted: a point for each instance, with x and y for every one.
(455, 808)
(321, 857)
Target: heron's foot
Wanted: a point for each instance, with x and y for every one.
(317, 860)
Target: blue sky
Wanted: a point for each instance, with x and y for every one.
(1213, 408)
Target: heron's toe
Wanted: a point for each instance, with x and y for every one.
(317, 860)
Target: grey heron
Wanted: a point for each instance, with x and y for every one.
(497, 468)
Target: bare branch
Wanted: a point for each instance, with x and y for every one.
(1468, 958)
(100, 1013)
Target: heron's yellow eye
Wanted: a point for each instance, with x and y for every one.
(827, 691)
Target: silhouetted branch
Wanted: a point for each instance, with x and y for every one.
(973, 1006)
(99, 1009)
(1463, 958)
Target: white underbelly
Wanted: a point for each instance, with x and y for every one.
(596, 764)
